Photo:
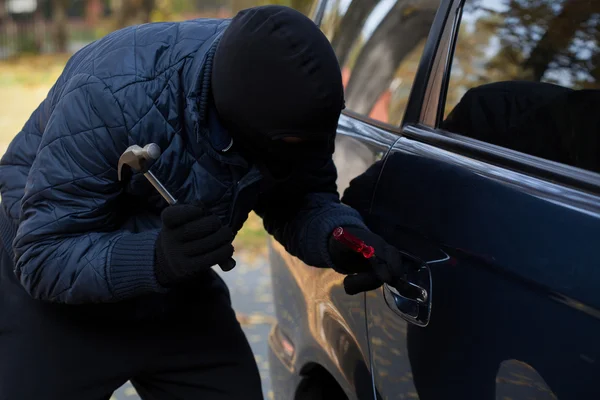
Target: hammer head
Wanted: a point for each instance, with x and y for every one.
(137, 157)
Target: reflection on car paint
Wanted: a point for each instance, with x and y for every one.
(368, 134)
(517, 376)
(325, 315)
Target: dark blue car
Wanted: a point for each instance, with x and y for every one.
(471, 142)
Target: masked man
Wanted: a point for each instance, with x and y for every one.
(101, 280)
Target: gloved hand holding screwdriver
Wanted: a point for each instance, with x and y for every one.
(365, 274)
(193, 240)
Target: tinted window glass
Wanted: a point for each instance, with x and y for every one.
(378, 44)
(526, 76)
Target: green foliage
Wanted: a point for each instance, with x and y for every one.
(163, 11)
(170, 10)
(252, 237)
(304, 6)
(27, 44)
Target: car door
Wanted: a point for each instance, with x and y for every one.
(325, 326)
(378, 68)
(493, 193)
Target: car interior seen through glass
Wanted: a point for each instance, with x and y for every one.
(526, 76)
(379, 44)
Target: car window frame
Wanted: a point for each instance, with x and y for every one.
(421, 101)
(427, 109)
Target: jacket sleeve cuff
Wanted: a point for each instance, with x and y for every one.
(131, 267)
(321, 230)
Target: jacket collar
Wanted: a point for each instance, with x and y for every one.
(200, 114)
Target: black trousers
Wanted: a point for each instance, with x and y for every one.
(197, 350)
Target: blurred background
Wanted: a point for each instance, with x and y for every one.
(63, 26)
(38, 36)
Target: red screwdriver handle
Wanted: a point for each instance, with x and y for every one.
(352, 242)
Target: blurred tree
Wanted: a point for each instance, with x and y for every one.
(350, 26)
(59, 21)
(352, 56)
(398, 34)
(402, 84)
(3, 13)
(164, 10)
(3, 28)
(572, 22)
(303, 6)
(172, 10)
(39, 30)
(331, 18)
(468, 70)
(544, 40)
(22, 32)
(540, 40)
(132, 12)
(94, 10)
(204, 5)
(238, 5)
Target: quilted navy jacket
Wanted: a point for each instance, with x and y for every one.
(85, 237)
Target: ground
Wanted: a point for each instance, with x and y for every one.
(24, 83)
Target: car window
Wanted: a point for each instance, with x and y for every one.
(378, 44)
(526, 76)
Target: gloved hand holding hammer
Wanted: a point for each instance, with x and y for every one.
(191, 241)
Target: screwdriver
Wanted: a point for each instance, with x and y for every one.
(410, 290)
(353, 243)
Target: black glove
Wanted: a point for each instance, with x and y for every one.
(366, 274)
(191, 241)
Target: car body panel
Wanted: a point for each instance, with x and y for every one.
(326, 327)
(313, 312)
(519, 290)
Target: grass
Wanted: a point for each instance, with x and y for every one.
(32, 71)
(25, 82)
(252, 237)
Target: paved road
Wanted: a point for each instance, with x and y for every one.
(250, 286)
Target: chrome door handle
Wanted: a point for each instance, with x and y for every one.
(411, 291)
(411, 298)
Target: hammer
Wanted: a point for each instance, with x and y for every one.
(137, 158)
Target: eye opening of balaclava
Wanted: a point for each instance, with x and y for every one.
(275, 75)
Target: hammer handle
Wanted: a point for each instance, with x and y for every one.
(227, 265)
(160, 188)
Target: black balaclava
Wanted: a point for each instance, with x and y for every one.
(275, 75)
